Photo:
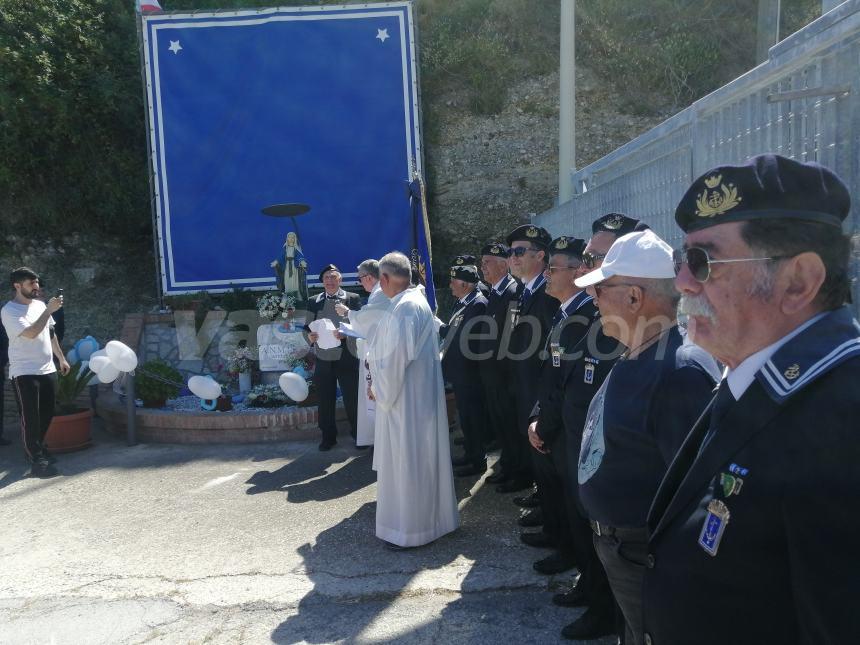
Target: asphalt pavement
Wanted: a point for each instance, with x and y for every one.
(259, 543)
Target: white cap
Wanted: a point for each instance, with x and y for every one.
(641, 254)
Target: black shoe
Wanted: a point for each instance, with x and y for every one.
(556, 563)
(589, 626)
(470, 470)
(513, 486)
(362, 447)
(327, 445)
(528, 501)
(4, 441)
(42, 470)
(49, 457)
(531, 519)
(498, 477)
(460, 461)
(540, 540)
(573, 598)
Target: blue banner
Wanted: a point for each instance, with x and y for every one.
(247, 109)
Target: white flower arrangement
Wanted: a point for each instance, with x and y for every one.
(274, 305)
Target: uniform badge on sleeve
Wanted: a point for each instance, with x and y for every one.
(714, 527)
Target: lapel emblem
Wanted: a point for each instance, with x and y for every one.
(714, 527)
(588, 374)
(792, 372)
(731, 484)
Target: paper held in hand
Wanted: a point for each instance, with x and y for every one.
(325, 328)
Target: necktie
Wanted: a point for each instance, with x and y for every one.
(722, 402)
(524, 298)
(328, 297)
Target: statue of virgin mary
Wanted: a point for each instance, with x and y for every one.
(291, 269)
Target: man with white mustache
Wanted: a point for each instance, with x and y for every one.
(752, 530)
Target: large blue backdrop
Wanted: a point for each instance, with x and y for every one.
(316, 105)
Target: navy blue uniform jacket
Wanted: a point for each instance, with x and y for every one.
(787, 569)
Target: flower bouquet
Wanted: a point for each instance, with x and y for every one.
(240, 360)
(277, 306)
(267, 396)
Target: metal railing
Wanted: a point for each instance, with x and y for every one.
(803, 103)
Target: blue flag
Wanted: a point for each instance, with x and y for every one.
(422, 272)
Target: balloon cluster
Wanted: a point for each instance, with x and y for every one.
(107, 363)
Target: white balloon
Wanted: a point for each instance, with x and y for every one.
(121, 356)
(294, 386)
(98, 363)
(204, 386)
(107, 374)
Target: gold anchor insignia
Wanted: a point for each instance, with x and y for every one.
(562, 243)
(792, 372)
(531, 232)
(495, 250)
(453, 273)
(459, 261)
(717, 198)
(613, 222)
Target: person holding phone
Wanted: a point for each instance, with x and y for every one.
(32, 347)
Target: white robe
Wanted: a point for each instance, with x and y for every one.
(364, 322)
(416, 503)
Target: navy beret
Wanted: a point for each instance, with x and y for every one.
(327, 268)
(466, 273)
(766, 187)
(497, 249)
(464, 260)
(568, 245)
(530, 233)
(616, 223)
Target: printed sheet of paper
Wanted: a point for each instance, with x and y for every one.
(325, 328)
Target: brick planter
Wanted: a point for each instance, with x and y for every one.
(167, 426)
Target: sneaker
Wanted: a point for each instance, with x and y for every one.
(41, 469)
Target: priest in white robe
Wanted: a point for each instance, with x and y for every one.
(416, 503)
(364, 322)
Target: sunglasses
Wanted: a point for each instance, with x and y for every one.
(590, 259)
(520, 251)
(550, 268)
(699, 262)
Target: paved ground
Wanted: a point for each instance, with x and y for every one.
(265, 543)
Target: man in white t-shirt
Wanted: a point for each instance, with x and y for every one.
(32, 347)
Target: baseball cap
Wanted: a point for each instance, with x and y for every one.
(642, 254)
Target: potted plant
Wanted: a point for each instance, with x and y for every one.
(70, 427)
(153, 391)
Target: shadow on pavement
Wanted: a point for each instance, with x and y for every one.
(305, 479)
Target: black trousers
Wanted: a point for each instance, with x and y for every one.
(502, 413)
(470, 409)
(549, 475)
(625, 562)
(326, 377)
(35, 396)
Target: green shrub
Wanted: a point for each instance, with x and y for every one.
(152, 390)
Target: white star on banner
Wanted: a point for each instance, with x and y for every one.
(175, 46)
(382, 35)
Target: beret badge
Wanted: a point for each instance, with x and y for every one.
(532, 232)
(495, 250)
(453, 273)
(562, 243)
(613, 223)
(717, 198)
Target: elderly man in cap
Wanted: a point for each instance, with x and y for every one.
(415, 488)
(496, 370)
(335, 365)
(643, 411)
(471, 260)
(752, 528)
(530, 323)
(546, 430)
(461, 367)
(591, 360)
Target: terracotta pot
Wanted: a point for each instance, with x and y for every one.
(69, 432)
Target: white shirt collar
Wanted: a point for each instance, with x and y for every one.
(498, 286)
(740, 378)
(531, 284)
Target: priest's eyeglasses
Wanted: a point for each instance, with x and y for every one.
(699, 262)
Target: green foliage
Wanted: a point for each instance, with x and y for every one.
(239, 299)
(69, 387)
(72, 130)
(152, 390)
